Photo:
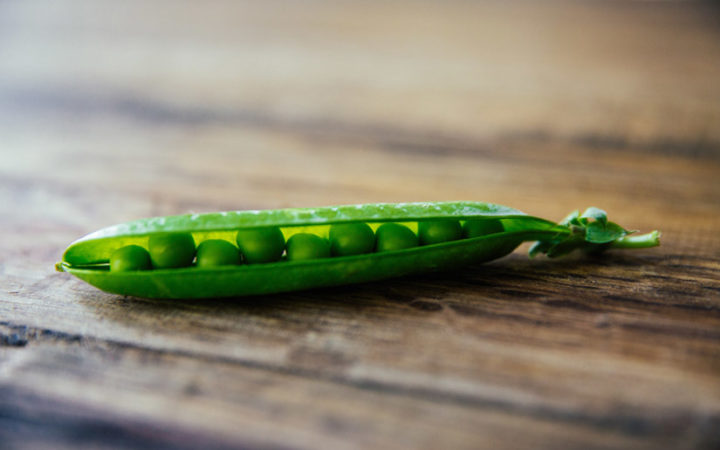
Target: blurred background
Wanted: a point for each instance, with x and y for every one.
(116, 110)
(200, 106)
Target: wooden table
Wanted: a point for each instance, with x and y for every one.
(112, 111)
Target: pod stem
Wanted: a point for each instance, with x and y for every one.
(646, 240)
(592, 232)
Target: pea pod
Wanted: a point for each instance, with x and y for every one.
(88, 258)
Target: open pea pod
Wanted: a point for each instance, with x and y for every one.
(88, 258)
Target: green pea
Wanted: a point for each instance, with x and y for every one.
(393, 236)
(481, 227)
(130, 257)
(171, 250)
(351, 239)
(303, 246)
(84, 258)
(217, 252)
(261, 245)
(437, 231)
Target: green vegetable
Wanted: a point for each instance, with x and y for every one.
(217, 252)
(93, 258)
(304, 246)
(261, 245)
(393, 236)
(130, 257)
(481, 227)
(169, 251)
(437, 231)
(351, 239)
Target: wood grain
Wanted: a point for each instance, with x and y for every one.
(116, 111)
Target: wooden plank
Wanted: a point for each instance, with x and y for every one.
(228, 399)
(542, 353)
(112, 113)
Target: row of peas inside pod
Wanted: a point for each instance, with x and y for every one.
(266, 245)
